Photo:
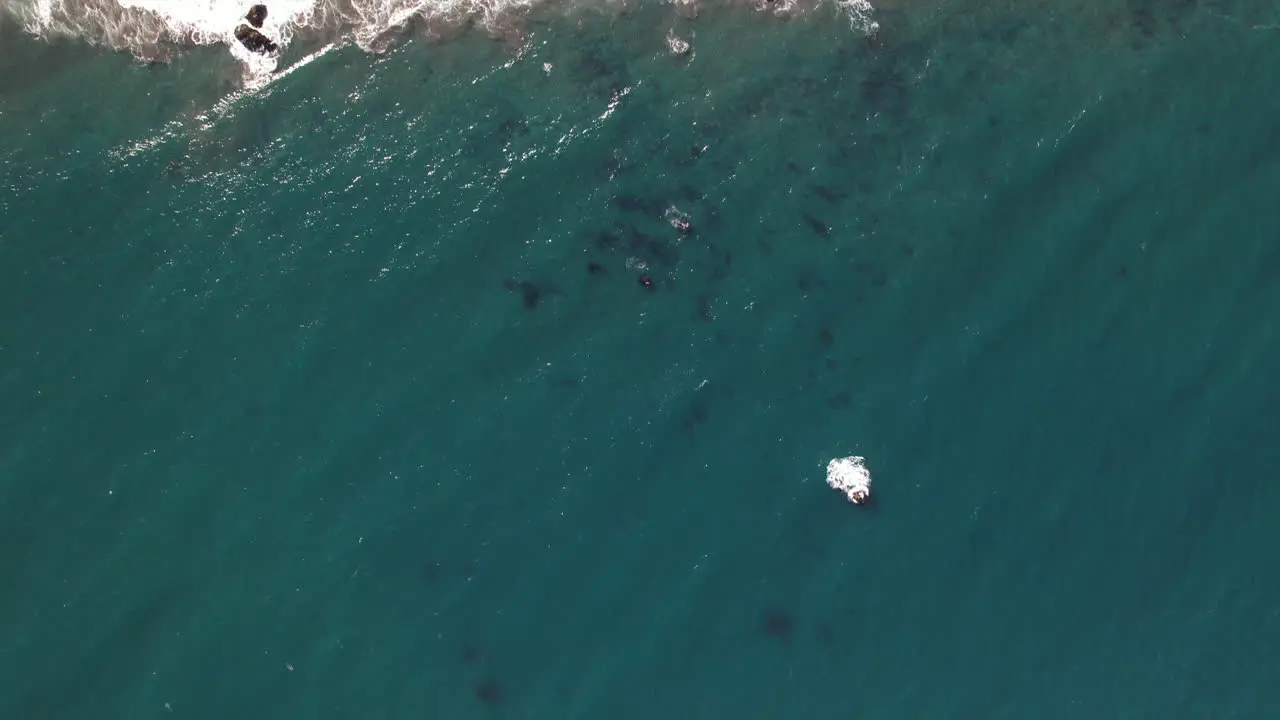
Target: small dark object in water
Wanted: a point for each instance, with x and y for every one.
(1145, 23)
(817, 226)
(696, 416)
(825, 337)
(662, 251)
(690, 193)
(606, 239)
(512, 127)
(704, 308)
(595, 268)
(637, 241)
(777, 624)
(884, 89)
(826, 193)
(490, 692)
(529, 294)
(647, 281)
(804, 283)
(470, 655)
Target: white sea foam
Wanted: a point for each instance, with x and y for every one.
(851, 477)
(157, 29)
(151, 29)
(211, 21)
(677, 45)
(859, 13)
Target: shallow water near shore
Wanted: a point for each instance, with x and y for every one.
(344, 397)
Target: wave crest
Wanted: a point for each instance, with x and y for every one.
(155, 30)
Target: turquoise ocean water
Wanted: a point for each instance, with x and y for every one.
(342, 397)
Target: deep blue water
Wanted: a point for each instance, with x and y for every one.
(347, 401)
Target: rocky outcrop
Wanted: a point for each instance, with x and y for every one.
(250, 35)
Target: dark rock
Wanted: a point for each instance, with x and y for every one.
(257, 15)
(255, 41)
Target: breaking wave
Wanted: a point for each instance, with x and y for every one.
(155, 30)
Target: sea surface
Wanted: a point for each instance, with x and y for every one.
(383, 383)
